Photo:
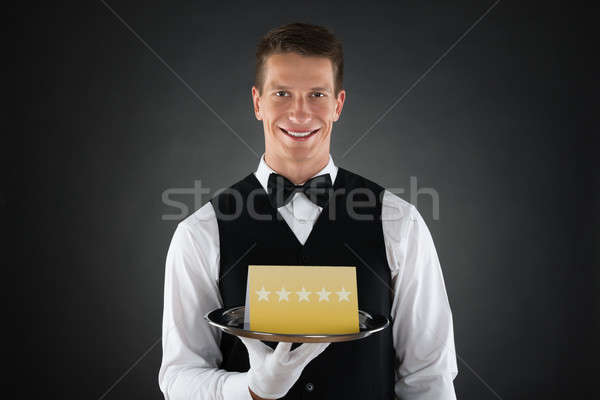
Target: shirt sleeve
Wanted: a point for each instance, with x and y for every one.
(422, 325)
(191, 352)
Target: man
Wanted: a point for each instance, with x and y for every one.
(264, 219)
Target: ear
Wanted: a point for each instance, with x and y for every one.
(339, 104)
(256, 103)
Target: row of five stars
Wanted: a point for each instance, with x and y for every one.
(302, 295)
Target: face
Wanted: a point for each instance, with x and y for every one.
(297, 106)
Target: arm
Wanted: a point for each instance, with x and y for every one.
(191, 353)
(422, 320)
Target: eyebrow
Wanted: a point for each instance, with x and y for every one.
(282, 87)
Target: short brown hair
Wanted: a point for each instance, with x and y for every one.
(303, 39)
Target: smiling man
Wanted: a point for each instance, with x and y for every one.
(298, 98)
(299, 208)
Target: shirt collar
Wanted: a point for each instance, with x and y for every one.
(263, 171)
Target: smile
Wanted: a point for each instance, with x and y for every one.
(299, 135)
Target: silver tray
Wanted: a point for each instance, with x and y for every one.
(232, 321)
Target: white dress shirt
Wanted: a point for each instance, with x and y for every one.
(422, 326)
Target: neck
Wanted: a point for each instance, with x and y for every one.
(297, 171)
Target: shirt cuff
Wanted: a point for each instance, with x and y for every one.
(235, 387)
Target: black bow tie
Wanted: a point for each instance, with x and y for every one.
(281, 190)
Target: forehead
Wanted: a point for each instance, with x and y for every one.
(291, 69)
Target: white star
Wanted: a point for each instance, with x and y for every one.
(303, 295)
(323, 295)
(263, 294)
(343, 295)
(283, 294)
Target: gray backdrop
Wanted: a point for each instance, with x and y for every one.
(474, 100)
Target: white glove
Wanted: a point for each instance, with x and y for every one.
(273, 372)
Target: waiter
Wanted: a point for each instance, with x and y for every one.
(299, 208)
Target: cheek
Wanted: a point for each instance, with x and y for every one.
(326, 115)
(274, 112)
(327, 112)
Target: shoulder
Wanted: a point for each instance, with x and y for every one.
(228, 199)
(198, 231)
(395, 207)
(400, 219)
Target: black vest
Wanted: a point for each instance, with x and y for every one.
(252, 232)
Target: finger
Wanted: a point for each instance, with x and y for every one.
(253, 345)
(311, 348)
(307, 352)
(282, 350)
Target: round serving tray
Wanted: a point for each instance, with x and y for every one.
(232, 321)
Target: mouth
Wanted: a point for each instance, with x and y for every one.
(300, 135)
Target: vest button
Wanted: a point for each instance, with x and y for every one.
(302, 258)
(309, 387)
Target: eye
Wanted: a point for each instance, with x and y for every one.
(318, 94)
(281, 93)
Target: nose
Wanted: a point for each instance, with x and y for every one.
(299, 112)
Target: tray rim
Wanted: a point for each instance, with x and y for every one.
(287, 337)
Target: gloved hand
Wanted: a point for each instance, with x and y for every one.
(273, 372)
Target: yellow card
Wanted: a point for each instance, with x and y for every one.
(302, 299)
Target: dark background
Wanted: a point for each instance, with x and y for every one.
(500, 128)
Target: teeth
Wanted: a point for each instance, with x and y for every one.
(299, 134)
